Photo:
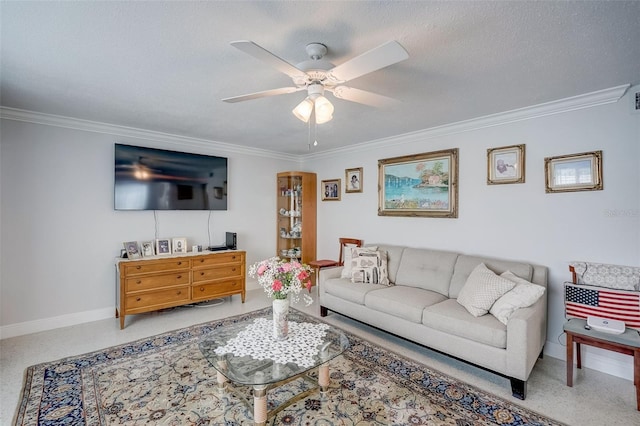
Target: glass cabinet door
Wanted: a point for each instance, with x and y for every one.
(296, 216)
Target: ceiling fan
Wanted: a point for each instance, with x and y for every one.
(318, 75)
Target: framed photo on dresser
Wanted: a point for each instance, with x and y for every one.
(180, 245)
(163, 246)
(133, 250)
(148, 249)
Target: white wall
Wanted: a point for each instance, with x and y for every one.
(60, 234)
(516, 221)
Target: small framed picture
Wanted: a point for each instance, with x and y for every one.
(179, 245)
(575, 172)
(330, 190)
(163, 246)
(148, 249)
(505, 165)
(353, 180)
(133, 251)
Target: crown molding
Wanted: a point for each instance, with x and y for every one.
(131, 132)
(588, 100)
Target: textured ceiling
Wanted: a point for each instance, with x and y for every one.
(165, 66)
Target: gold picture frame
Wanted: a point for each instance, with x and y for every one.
(353, 180)
(574, 172)
(506, 164)
(421, 185)
(330, 190)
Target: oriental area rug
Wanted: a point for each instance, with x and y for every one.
(165, 380)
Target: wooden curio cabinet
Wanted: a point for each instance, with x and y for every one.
(296, 224)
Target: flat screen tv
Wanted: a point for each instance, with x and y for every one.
(157, 179)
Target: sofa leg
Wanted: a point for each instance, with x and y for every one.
(323, 311)
(541, 356)
(518, 388)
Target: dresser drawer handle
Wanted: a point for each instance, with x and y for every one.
(201, 288)
(138, 267)
(201, 273)
(138, 299)
(179, 292)
(138, 282)
(233, 257)
(179, 263)
(179, 276)
(233, 269)
(201, 260)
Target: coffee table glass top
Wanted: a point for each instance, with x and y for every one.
(309, 344)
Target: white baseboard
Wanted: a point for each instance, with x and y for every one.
(608, 362)
(45, 324)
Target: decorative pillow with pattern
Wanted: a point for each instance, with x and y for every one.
(348, 255)
(524, 294)
(482, 289)
(369, 267)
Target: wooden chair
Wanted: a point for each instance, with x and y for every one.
(326, 263)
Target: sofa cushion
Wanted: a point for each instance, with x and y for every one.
(465, 264)
(403, 302)
(426, 269)
(345, 289)
(348, 256)
(524, 294)
(452, 318)
(482, 289)
(369, 267)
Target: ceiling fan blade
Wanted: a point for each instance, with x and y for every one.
(382, 56)
(362, 97)
(263, 94)
(264, 55)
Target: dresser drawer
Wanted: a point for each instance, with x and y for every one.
(209, 291)
(219, 272)
(155, 266)
(174, 296)
(217, 259)
(149, 282)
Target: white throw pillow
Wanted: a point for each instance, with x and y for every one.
(482, 289)
(370, 267)
(524, 294)
(348, 255)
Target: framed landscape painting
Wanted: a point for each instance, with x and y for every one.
(421, 185)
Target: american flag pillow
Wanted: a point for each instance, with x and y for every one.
(581, 301)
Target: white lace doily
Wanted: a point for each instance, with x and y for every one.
(256, 341)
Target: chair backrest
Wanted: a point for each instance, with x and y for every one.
(344, 242)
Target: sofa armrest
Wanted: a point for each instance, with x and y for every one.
(526, 336)
(328, 273)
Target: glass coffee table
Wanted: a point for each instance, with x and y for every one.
(246, 354)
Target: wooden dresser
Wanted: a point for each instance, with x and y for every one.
(160, 282)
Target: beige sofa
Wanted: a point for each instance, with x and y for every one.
(421, 306)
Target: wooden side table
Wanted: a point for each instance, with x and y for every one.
(627, 343)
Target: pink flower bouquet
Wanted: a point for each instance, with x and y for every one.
(280, 278)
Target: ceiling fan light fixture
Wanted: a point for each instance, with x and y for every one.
(304, 109)
(324, 110)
